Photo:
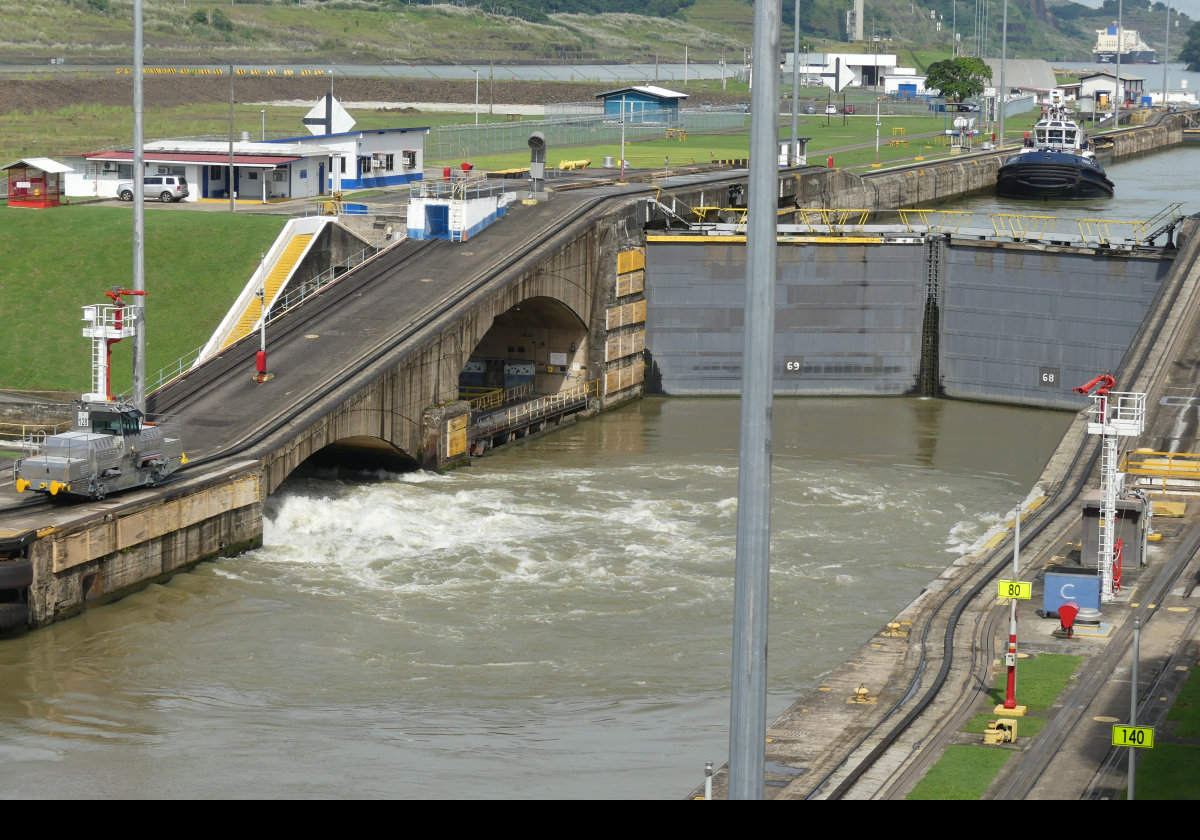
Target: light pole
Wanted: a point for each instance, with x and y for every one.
(877, 125)
(1003, 62)
(1166, 54)
(794, 146)
(1010, 695)
(622, 139)
(476, 97)
(1120, 97)
(263, 112)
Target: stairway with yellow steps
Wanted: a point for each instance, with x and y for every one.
(275, 279)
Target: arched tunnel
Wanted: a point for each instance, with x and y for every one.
(534, 349)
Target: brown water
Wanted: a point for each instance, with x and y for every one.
(553, 622)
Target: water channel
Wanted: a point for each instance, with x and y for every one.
(552, 622)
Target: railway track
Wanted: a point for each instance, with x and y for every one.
(907, 739)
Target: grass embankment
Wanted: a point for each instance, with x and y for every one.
(1172, 769)
(60, 259)
(1169, 771)
(966, 770)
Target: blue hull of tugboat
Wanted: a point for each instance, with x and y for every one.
(1051, 174)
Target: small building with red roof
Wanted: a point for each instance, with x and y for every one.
(36, 182)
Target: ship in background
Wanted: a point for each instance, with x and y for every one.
(1133, 49)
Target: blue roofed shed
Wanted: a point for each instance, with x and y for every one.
(643, 103)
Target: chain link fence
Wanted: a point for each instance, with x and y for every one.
(452, 142)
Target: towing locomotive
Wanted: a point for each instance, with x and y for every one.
(112, 445)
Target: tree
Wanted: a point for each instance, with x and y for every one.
(220, 21)
(1190, 54)
(958, 78)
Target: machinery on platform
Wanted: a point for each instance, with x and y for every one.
(1113, 415)
(112, 445)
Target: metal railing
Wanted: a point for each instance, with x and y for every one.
(1162, 472)
(451, 142)
(483, 399)
(531, 411)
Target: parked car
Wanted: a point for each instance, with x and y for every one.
(830, 109)
(850, 109)
(165, 188)
(810, 109)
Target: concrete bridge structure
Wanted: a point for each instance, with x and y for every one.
(367, 370)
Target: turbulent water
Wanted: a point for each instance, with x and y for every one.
(552, 622)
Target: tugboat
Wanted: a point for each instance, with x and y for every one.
(1056, 162)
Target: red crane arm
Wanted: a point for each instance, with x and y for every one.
(1102, 384)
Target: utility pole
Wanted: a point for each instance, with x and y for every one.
(1166, 53)
(878, 123)
(232, 198)
(1120, 96)
(794, 146)
(1003, 62)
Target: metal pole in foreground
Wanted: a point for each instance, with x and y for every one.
(1133, 685)
(748, 706)
(139, 218)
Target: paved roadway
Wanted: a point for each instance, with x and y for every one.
(383, 306)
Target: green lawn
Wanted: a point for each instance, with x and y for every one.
(852, 138)
(54, 261)
(1172, 769)
(966, 770)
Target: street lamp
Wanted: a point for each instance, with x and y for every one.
(877, 125)
(264, 123)
(476, 97)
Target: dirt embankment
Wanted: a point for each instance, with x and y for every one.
(26, 95)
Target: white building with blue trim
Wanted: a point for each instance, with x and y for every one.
(378, 157)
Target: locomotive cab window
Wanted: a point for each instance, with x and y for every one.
(106, 424)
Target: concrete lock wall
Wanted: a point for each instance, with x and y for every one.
(98, 560)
